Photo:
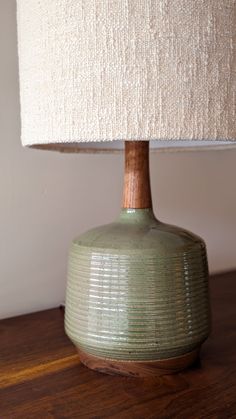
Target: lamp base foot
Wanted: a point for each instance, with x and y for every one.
(139, 368)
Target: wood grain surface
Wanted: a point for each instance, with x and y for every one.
(139, 368)
(137, 189)
(41, 376)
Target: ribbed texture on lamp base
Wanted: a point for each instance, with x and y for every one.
(137, 290)
(127, 70)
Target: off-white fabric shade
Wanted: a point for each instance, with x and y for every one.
(106, 70)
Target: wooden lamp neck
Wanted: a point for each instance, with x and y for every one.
(137, 189)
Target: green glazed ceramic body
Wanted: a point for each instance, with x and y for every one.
(137, 290)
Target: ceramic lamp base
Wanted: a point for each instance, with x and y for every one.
(137, 294)
(139, 368)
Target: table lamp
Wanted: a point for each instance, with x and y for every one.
(132, 72)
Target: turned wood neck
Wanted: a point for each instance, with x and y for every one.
(137, 189)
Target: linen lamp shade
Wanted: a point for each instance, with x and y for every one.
(102, 70)
(107, 71)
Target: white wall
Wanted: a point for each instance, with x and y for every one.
(48, 198)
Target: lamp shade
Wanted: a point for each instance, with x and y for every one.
(108, 70)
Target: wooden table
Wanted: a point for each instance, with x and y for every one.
(41, 375)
